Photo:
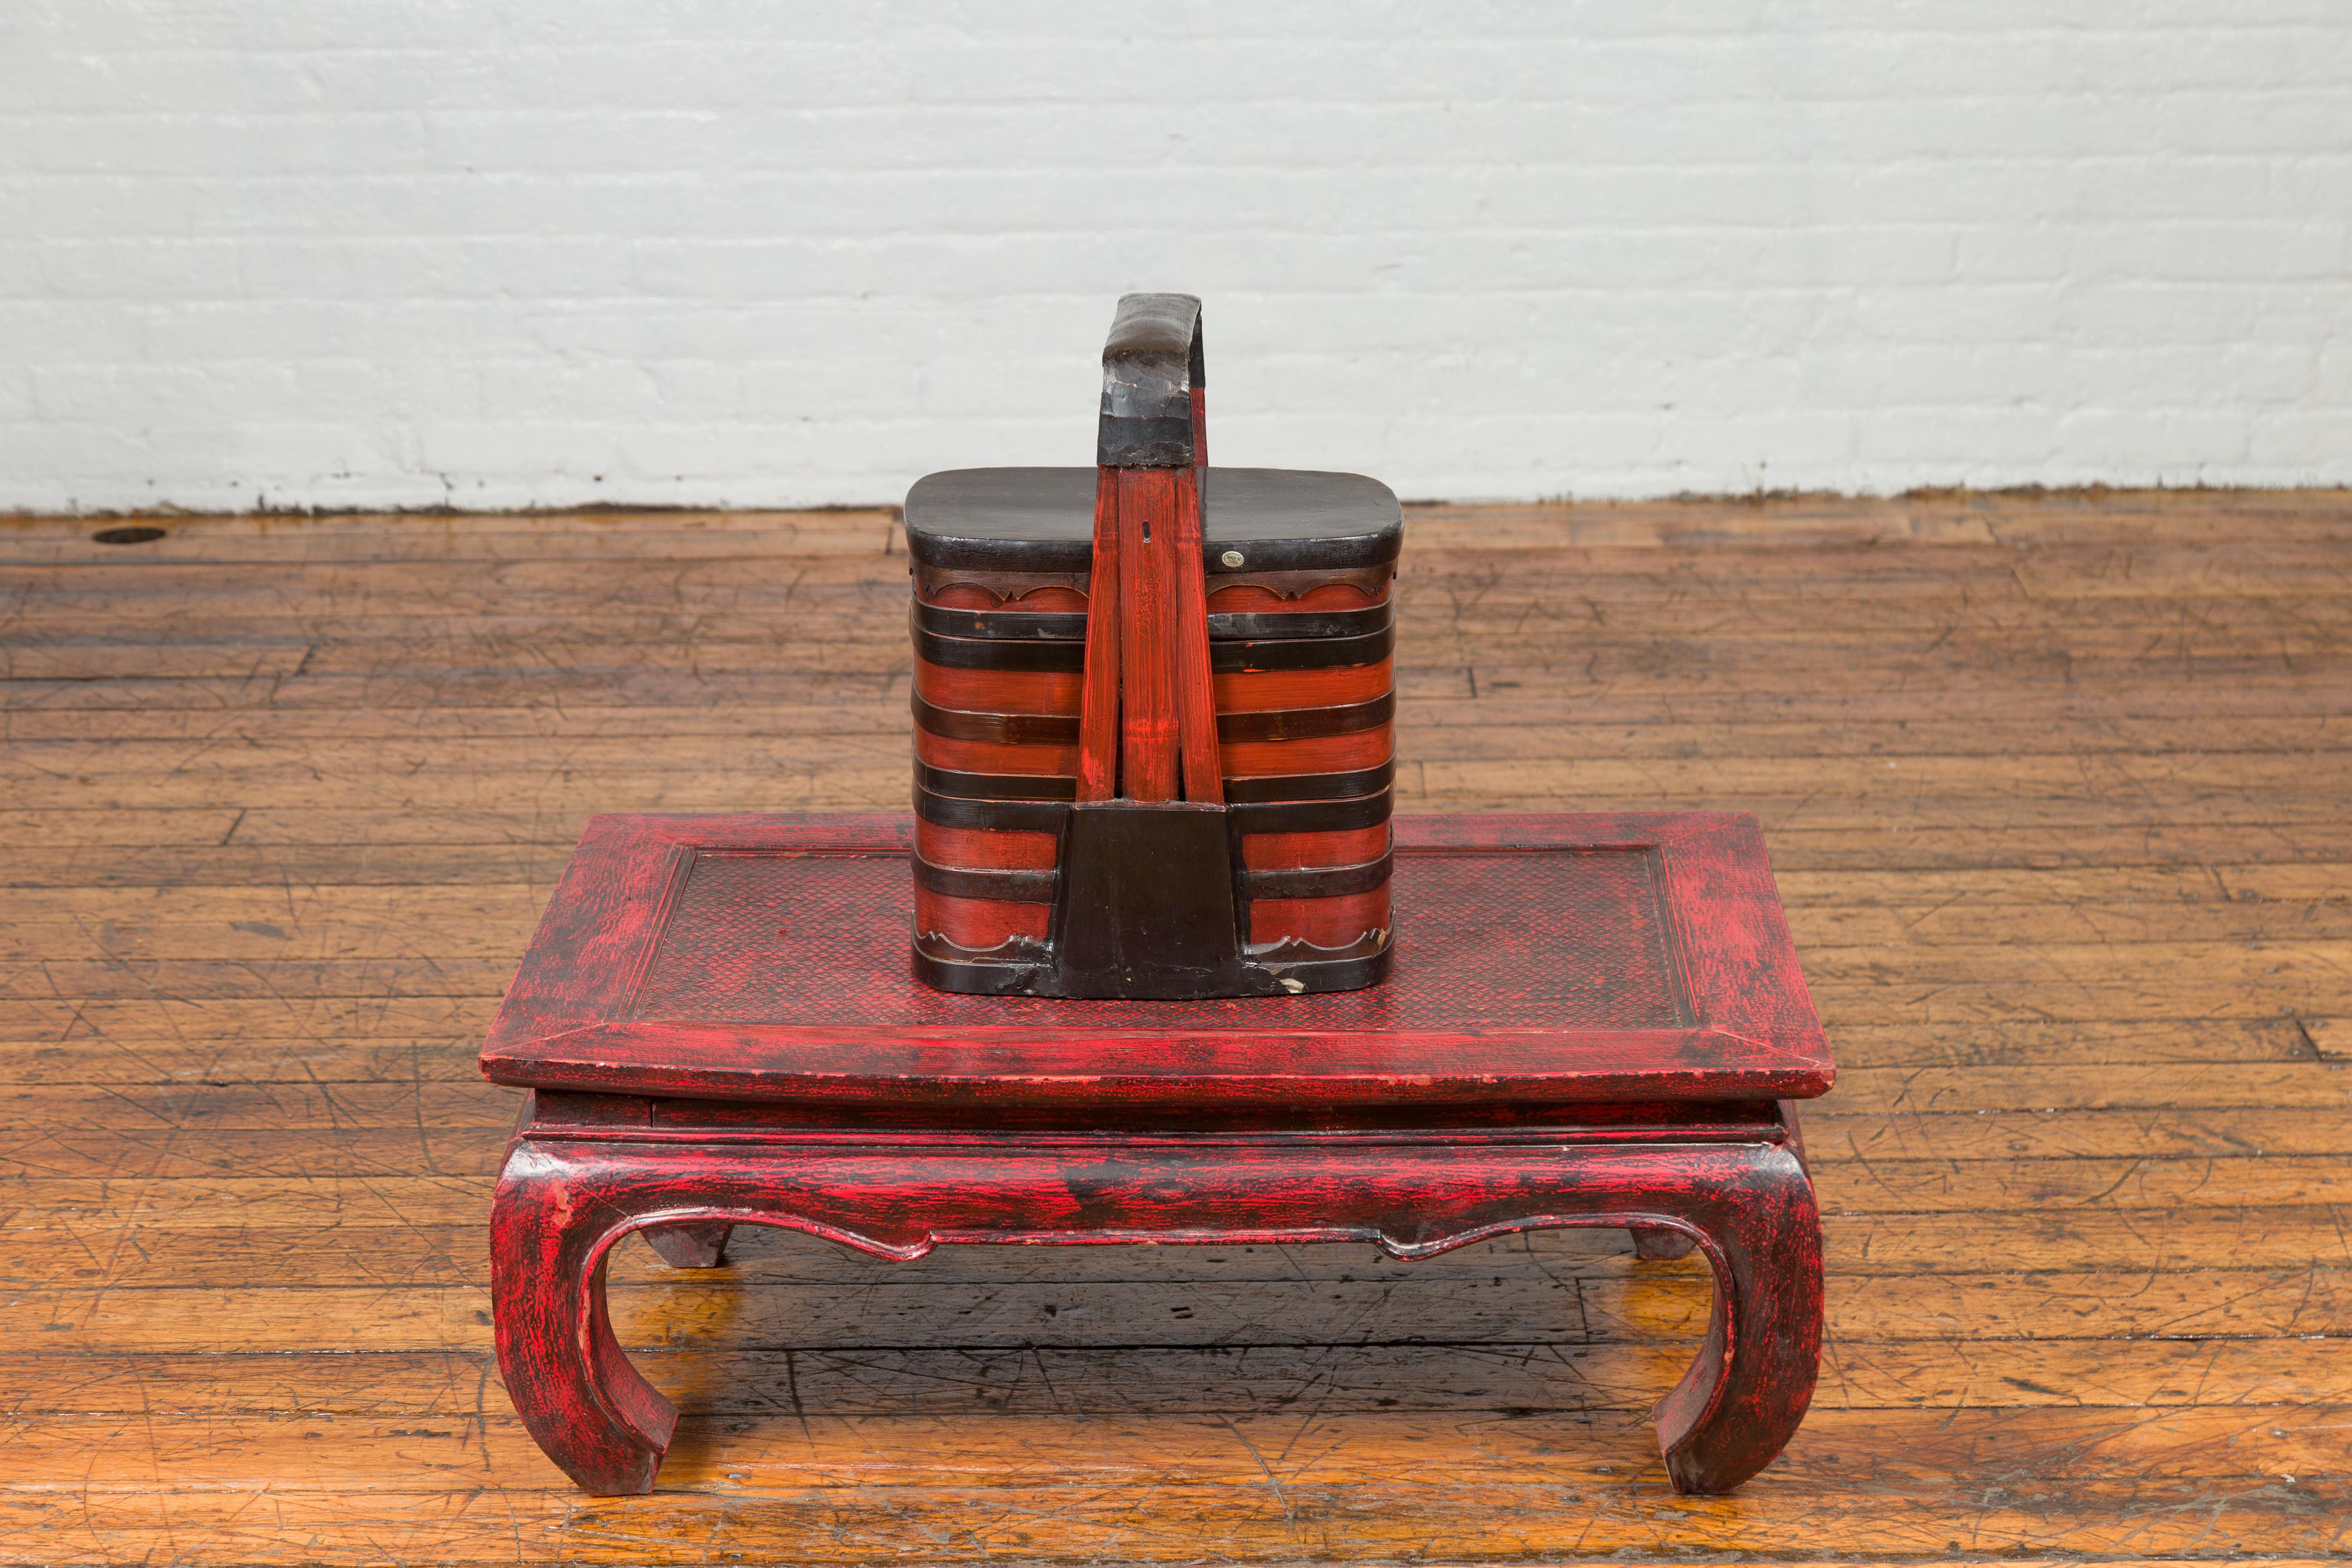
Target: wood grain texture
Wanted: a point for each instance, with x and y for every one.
(1148, 500)
(283, 797)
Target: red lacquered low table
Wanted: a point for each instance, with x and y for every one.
(1592, 1020)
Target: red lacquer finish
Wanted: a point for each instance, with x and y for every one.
(1593, 1021)
(570, 1192)
(1098, 734)
(1635, 956)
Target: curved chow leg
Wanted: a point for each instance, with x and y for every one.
(1741, 1401)
(562, 1204)
(1748, 1207)
(583, 1402)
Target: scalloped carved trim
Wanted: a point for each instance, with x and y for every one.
(1012, 950)
(1293, 950)
(1054, 592)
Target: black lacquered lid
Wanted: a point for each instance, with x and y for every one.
(1042, 519)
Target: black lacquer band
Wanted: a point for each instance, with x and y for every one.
(1038, 885)
(1265, 788)
(996, 786)
(999, 653)
(1061, 656)
(1070, 625)
(1003, 729)
(1321, 881)
(1062, 728)
(1008, 886)
(983, 977)
(1314, 816)
(997, 815)
(1288, 625)
(1311, 787)
(1003, 626)
(1306, 723)
(1048, 815)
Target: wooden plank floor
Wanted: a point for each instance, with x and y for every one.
(2057, 791)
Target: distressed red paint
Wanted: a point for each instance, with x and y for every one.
(1594, 1020)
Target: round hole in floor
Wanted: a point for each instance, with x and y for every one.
(127, 535)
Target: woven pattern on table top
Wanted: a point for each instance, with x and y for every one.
(1547, 939)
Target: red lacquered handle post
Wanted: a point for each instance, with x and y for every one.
(1146, 693)
(1099, 690)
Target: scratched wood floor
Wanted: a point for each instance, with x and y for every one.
(2059, 791)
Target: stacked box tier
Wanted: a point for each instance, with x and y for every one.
(1299, 569)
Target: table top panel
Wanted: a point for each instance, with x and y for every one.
(1539, 959)
(785, 936)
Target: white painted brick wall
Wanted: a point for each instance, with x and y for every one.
(537, 252)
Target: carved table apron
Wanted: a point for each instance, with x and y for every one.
(1593, 1020)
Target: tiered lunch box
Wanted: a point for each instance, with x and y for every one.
(1296, 572)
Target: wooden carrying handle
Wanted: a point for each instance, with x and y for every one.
(1153, 375)
(1147, 723)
